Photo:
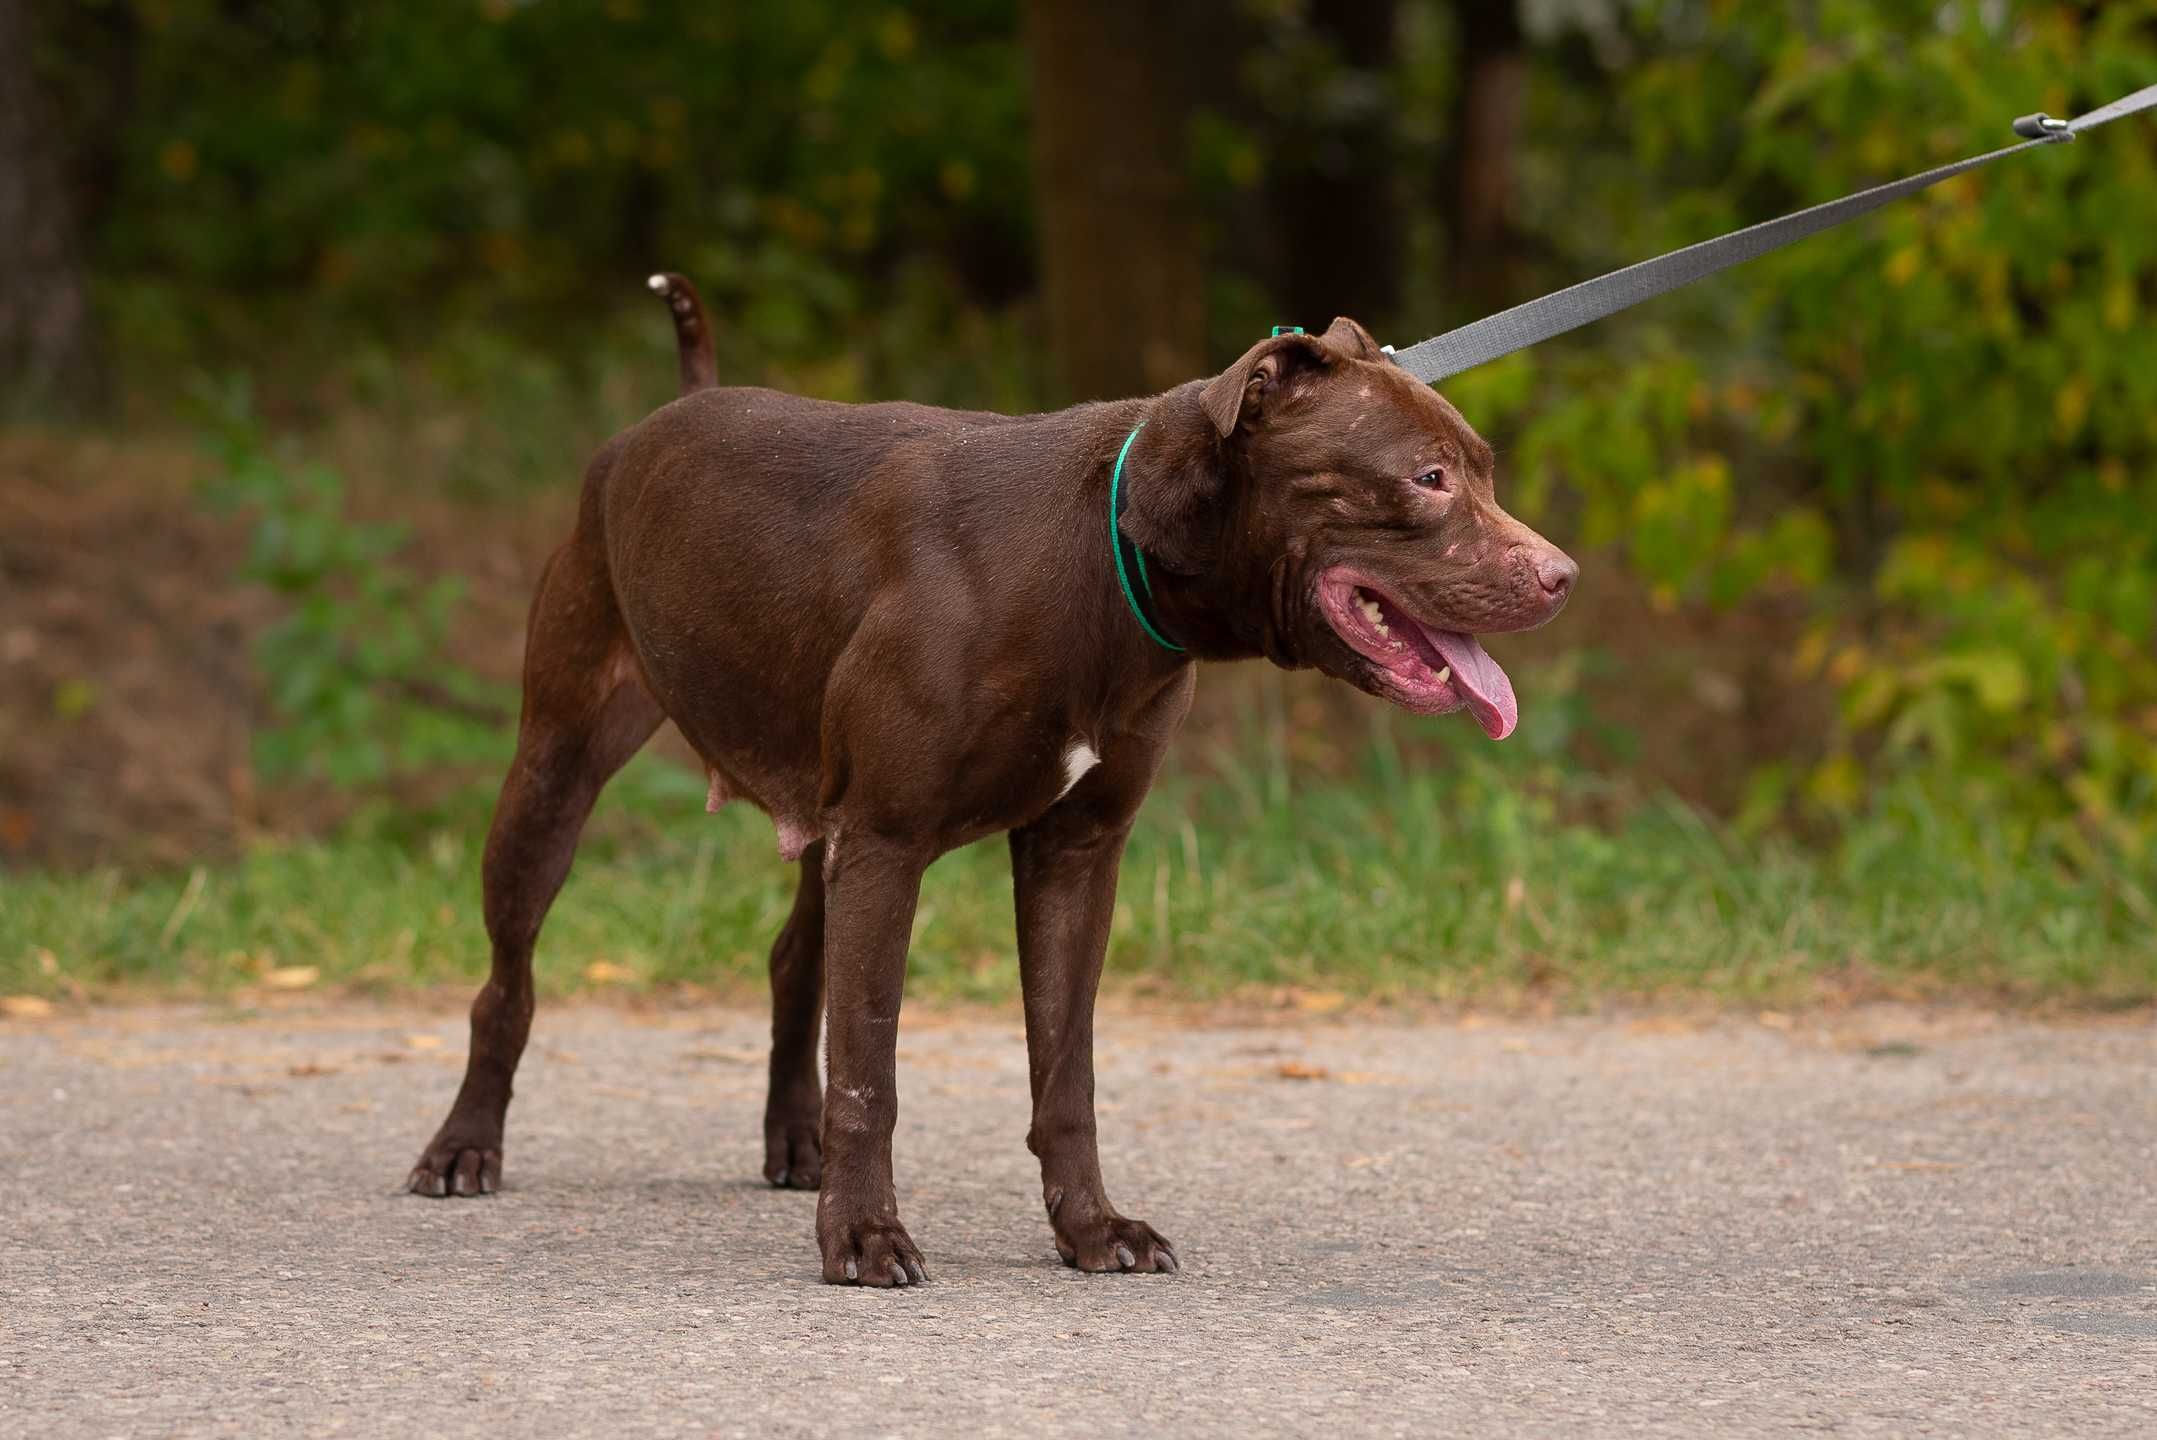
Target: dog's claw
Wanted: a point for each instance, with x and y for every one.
(456, 1167)
(1115, 1244)
(793, 1156)
(875, 1252)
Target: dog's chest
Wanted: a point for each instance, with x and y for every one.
(1079, 757)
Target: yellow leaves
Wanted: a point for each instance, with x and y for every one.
(73, 699)
(572, 150)
(1837, 785)
(1903, 265)
(179, 161)
(895, 35)
(1316, 1002)
(668, 112)
(2071, 407)
(291, 977)
(1998, 677)
(956, 178)
(501, 250)
(1867, 702)
(606, 972)
(1302, 1070)
(2119, 305)
(1811, 652)
(1848, 664)
(25, 1007)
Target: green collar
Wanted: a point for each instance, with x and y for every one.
(1120, 543)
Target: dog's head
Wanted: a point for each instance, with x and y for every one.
(1360, 504)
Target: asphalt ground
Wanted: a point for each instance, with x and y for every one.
(1881, 1222)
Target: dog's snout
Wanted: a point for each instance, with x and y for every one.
(1557, 571)
(1554, 570)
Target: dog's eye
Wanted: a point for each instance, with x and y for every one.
(1432, 479)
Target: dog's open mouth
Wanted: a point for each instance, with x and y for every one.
(1419, 667)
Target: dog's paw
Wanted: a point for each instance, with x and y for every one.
(870, 1252)
(454, 1165)
(793, 1153)
(1113, 1243)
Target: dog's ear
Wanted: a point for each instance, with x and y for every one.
(1268, 372)
(1178, 475)
(1346, 337)
(1174, 479)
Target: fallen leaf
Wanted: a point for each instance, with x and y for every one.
(423, 1042)
(1318, 1002)
(291, 977)
(1297, 1070)
(606, 972)
(25, 1007)
(1776, 1020)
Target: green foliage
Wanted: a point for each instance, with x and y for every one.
(842, 179)
(1936, 426)
(356, 679)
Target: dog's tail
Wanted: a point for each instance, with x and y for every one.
(692, 331)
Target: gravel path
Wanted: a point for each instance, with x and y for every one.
(1878, 1224)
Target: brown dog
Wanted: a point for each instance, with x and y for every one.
(898, 629)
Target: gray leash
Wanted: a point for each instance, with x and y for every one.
(1485, 340)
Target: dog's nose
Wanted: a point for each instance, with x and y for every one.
(1557, 572)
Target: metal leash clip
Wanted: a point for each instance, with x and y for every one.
(2043, 127)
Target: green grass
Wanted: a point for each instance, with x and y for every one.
(1453, 882)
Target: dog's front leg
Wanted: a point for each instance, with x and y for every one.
(870, 888)
(1063, 870)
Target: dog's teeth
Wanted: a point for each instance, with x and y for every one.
(1445, 673)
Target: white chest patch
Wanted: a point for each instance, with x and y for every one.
(1077, 761)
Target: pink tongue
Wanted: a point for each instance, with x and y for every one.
(1480, 681)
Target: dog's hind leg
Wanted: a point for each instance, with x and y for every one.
(794, 1108)
(586, 711)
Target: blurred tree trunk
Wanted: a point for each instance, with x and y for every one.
(1123, 271)
(56, 163)
(1334, 199)
(1486, 130)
